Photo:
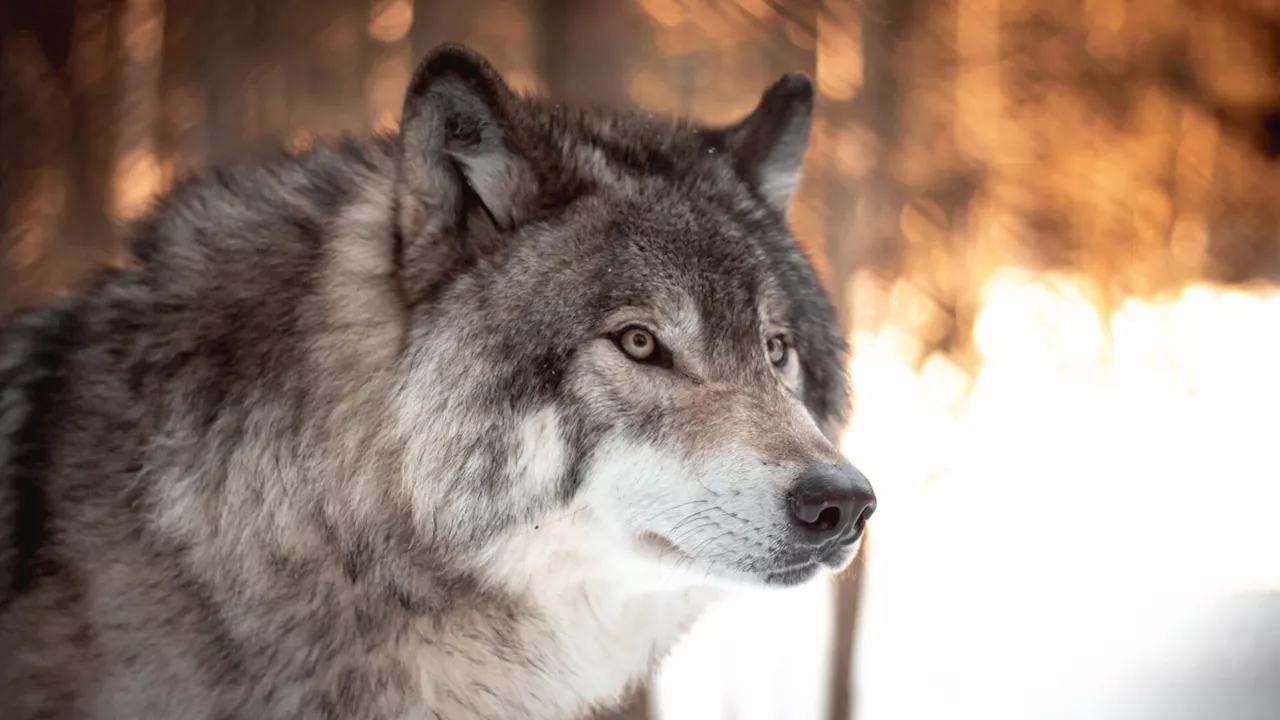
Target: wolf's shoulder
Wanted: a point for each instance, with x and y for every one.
(274, 204)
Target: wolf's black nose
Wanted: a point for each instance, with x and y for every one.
(831, 502)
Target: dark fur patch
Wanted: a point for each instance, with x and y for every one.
(35, 442)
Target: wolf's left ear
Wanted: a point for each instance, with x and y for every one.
(768, 145)
(456, 135)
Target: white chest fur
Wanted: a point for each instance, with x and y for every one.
(592, 622)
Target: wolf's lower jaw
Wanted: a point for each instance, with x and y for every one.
(671, 559)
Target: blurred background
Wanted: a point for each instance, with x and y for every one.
(1052, 228)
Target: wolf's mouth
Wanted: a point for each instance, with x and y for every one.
(663, 548)
(781, 572)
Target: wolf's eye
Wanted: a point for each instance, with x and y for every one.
(777, 349)
(638, 343)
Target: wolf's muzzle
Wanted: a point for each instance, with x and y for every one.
(830, 504)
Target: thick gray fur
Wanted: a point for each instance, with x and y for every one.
(354, 436)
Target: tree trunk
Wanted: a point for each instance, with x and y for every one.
(862, 212)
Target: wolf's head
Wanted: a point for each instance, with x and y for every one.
(615, 340)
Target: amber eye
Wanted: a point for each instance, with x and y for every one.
(776, 347)
(638, 343)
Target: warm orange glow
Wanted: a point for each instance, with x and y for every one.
(839, 53)
(138, 177)
(384, 89)
(667, 12)
(1096, 473)
(138, 173)
(390, 20)
(759, 9)
(978, 84)
(651, 92)
(526, 81)
(300, 142)
(143, 41)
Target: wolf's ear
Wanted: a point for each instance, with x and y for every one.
(456, 135)
(768, 145)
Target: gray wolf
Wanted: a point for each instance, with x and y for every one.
(470, 420)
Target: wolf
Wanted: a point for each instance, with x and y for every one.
(469, 420)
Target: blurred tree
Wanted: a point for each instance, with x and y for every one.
(56, 130)
(586, 49)
(859, 43)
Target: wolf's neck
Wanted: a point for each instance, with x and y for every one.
(548, 662)
(582, 629)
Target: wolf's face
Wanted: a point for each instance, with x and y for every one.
(619, 345)
(692, 379)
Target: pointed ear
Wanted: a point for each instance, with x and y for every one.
(456, 135)
(768, 145)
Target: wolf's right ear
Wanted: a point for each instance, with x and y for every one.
(456, 135)
(768, 146)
